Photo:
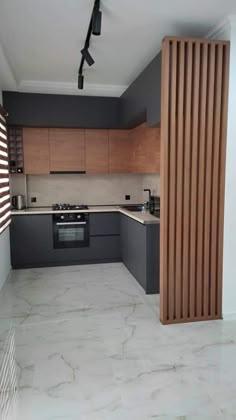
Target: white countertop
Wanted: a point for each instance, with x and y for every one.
(142, 217)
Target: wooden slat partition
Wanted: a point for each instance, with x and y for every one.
(195, 76)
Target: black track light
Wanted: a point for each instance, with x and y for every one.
(87, 56)
(80, 81)
(97, 22)
(94, 28)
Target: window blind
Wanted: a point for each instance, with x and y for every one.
(5, 203)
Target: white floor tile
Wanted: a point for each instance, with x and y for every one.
(88, 345)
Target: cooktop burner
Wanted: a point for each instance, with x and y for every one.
(69, 206)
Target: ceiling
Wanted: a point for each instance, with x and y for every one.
(40, 40)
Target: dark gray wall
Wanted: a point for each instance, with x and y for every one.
(142, 100)
(44, 110)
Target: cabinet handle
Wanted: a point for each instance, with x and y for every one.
(70, 223)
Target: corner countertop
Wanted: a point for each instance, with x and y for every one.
(142, 217)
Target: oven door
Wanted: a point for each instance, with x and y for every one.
(70, 234)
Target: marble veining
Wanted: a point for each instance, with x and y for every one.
(86, 343)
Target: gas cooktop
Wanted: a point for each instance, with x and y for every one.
(69, 207)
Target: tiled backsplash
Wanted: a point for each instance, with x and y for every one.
(89, 189)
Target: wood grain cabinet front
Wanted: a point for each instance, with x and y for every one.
(120, 150)
(36, 151)
(96, 142)
(93, 151)
(145, 149)
(67, 150)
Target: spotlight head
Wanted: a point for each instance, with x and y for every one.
(80, 81)
(87, 56)
(97, 22)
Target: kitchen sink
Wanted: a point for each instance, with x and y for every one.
(134, 207)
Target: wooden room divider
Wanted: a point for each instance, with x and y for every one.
(195, 75)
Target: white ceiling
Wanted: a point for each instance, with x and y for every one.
(40, 40)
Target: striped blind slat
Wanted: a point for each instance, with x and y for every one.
(5, 206)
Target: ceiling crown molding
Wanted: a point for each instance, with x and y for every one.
(67, 88)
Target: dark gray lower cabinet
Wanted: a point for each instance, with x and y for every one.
(32, 243)
(140, 252)
(102, 224)
(113, 237)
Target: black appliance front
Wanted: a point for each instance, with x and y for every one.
(70, 230)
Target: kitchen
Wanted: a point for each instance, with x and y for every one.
(112, 188)
(62, 164)
(106, 163)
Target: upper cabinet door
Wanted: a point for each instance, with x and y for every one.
(153, 150)
(67, 150)
(96, 151)
(36, 151)
(146, 150)
(120, 151)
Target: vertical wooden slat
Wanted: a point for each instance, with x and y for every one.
(208, 177)
(164, 181)
(187, 179)
(194, 115)
(172, 197)
(179, 180)
(215, 179)
(194, 181)
(201, 175)
(223, 134)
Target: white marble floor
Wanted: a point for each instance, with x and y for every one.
(86, 344)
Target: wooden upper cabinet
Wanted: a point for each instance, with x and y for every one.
(92, 151)
(36, 151)
(120, 151)
(67, 150)
(96, 142)
(146, 149)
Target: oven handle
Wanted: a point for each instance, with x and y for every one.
(70, 223)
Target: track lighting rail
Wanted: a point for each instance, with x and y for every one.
(93, 29)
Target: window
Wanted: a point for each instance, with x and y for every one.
(5, 202)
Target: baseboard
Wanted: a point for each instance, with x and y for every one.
(66, 264)
(229, 316)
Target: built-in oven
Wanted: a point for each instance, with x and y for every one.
(70, 230)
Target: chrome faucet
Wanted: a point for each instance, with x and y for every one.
(147, 203)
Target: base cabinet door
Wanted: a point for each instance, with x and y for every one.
(140, 252)
(133, 245)
(103, 224)
(31, 240)
(32, 245)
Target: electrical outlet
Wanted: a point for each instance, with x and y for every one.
(33, 199)
(127, 197)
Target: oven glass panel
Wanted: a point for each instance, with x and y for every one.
(70, 230)
(71, 234)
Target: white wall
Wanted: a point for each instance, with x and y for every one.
(227, 31)
(5, 264)
(229, 264)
